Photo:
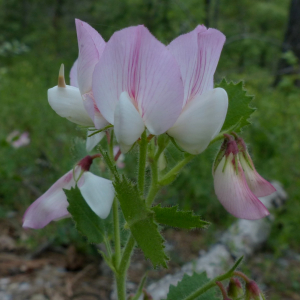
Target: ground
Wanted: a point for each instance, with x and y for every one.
(63, 273)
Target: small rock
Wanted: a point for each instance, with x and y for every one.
(7, 243)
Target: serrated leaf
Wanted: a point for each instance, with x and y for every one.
(87, 222)
(239, 111)
(190, 284)
(171, 216)
(140, 220)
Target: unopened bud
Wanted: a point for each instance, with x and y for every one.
(253, 292)
(235, 289)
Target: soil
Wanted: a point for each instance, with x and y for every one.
(63, 273)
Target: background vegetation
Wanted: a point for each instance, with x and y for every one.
(36, 37)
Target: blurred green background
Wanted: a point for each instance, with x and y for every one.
(36, 37)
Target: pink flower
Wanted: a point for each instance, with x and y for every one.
(76, 102)
(17, 139)
(137, 84)
(52, 206)
(204, 108)
(258, 185)
(231, 186)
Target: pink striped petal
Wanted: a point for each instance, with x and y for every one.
(201, 119)
(257, 184)
(135, 62)
(234, 194)
(91, 46)
(128, 123)
(93, 111)
(73, 75)
(197, 54)
(50, 206)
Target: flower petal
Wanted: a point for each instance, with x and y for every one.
(93, 111)
(200, 120)
(197, 54)
(99, 194)
(129, 124)
(67, 103)
(135, 62)
(93, 140)
(73, 75)
(257, 184)
(50, 206)
(91, 46)
(234, 194)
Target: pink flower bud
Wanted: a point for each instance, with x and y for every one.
(231, 186)
(258, 185)
(235, 289)
(253, 292)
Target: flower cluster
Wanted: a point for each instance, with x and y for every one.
(135, 83)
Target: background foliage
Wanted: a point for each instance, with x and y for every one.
(35, 39)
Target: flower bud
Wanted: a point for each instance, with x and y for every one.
(253, 292)
(231, 186)
(257, 184)
(235, 289)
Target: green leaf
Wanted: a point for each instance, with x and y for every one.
(140, 220)
(87, 222)
(171, 216)
(239, 111)
(188, 285)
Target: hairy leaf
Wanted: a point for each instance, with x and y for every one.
(239, 111)
(141, 221)
(87, 222)
(171, 216)
(190, 284)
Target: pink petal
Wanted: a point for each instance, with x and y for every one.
(134, 61)
(257, 184)
(234, 194)
(197, 54)
(93, 111)
(50, 206)
(91, 46)
(73, 75)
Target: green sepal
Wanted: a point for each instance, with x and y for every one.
(239, 111)
(188, 285)
(171, 216)
(86, 221)
(140, 220)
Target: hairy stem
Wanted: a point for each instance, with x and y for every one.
(177, 168)
(117, 233)
(142, 162)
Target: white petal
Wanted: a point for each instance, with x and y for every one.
(93, 140)
(99, 194)
(201, 119)
(128, 123)
(67, 103)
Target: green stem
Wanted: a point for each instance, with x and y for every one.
(111, 146)
(121, 286)
(123, 267)
(142, 162)
(155, 187)
(124, 264)
(117, 233)
(177, 168)
(212, 283)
